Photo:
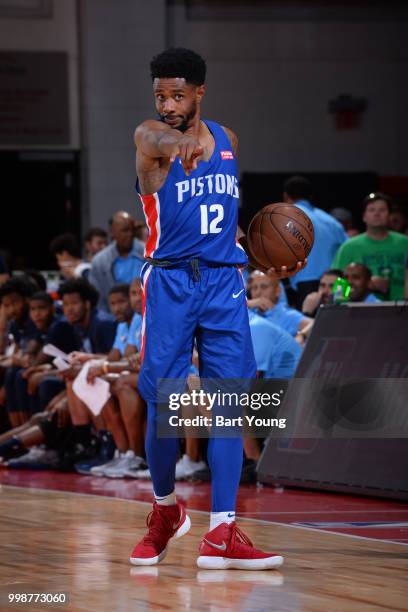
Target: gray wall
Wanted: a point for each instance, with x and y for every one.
(118, 39)
(271, 81)
(30, 28)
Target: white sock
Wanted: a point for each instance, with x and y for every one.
(217, 518)
(167, 500)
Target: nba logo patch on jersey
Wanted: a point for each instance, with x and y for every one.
(226, 155)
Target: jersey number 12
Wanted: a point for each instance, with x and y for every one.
(213, 228)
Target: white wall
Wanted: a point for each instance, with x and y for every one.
(118, 39)
(271, 82)
(42, 33)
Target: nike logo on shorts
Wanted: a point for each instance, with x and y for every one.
(222, 546)
(235, 295)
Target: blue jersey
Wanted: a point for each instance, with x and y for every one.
(196, 216)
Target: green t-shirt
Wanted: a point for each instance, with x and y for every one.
(383, 257)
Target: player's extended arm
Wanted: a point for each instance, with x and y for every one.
(156, 140)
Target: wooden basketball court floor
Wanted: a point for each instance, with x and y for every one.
(63, 533)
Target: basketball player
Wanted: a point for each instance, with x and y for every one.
(192, 290)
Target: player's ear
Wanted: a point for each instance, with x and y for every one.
(200, 91)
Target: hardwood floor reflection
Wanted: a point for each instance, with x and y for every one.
(80, 544)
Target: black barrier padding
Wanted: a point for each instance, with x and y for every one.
(347, 342)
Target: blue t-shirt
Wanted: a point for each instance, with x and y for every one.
(99, 336)
(276, 352)
(125, 269)
(371, 299)
(329, 236)
(121, 338)
(135, 331)
(284, 317)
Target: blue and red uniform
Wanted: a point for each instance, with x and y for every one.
(193, 291)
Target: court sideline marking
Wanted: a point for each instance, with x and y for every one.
(252, 520)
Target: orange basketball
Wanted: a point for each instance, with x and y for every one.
(280, 235)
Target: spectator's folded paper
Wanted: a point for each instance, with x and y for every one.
(94, 395)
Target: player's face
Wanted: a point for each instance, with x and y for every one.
(325, 287)
(262, 286)
(177, 102)
(376, 214)
(14, 306)
(135, 295)
(40, 313)
(359, 283)
(74, 307)
(120, 306)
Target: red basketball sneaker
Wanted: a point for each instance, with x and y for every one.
(164, 522)
(227, 547)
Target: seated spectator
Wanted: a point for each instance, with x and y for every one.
(329, 235)
(324, 294)
(95, 329)
(14, 312)
(359, 277)
(33, 368)
(344, 216)
(111, 420)
(276, 352)
(39, 443)
(96, 239)
(264, 300)
(120, 262)
(125, 412)
(66, 251)
(15, 327)
(382, 251)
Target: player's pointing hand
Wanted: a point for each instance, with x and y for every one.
(189, 150)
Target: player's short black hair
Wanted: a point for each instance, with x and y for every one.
(81, 286)
(95, 231)
(179, 62)
(42, 296)
(21, 285)
(334, 272)
(120, 288)
(298, 188)
(374, 197)
(65, 242)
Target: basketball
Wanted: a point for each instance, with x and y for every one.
(280, 235)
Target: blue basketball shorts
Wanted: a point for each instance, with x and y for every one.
(182, 307)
